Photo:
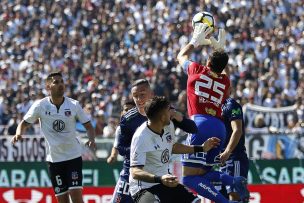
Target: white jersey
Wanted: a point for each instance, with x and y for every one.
(58, 127)
(152, 151)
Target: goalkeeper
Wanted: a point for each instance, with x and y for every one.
(207, 89)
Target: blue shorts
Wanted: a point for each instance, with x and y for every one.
(121, 193)
(208, 126)
(236, 166)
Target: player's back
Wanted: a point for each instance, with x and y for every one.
(206, 90)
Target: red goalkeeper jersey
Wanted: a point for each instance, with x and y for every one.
(206, 90)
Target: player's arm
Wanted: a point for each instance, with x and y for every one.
(30, 117)
(237, 131)
(182, 122)
(199, 38)
(234, 114)
(123, 141)
(21, 128)
(190, 149)
(139, 174)
(183, 55)
(91, 134)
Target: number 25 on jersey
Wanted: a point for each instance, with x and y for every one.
(207, 87)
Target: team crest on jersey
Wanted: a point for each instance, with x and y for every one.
(210, 111)
(165, 156)
(169, 138)
(67, 113)
(74, 175)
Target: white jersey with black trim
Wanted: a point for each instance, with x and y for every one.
(152, 151)
(58, 127)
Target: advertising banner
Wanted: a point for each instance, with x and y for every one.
(30, 149)
(99, 173)
(274, 117)
(35, 174)
(275, 146)
(258, 194)
(277, 193)
(46, 195)
(289, 171)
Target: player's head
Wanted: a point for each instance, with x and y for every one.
(128, 104)
(141, 93)
(158, 109)
(55, 84)
(218, 61)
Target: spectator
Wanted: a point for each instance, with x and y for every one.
(101, 47)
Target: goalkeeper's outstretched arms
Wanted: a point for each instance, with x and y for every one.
(199, 38)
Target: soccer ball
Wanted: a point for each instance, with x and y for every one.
(203, 17)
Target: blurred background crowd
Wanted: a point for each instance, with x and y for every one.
(102, 46)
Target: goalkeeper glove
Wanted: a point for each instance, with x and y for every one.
(199, 35)
(220, 43)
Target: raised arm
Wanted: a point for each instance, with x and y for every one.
(199, 38)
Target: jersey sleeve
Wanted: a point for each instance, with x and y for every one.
(33, 113)
(138, 152)
(123, 139)
(186, 125)
(117, 134)
(194, 68)
(186, 66)
(81, 115)
(234, 111)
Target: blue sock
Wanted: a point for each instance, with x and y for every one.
(219, 178)
(204, 188)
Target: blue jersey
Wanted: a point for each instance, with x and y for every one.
(232, 110)
(128, 125)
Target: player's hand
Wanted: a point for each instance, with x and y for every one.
(211, 143)
(224, 157)
(91, 144)
(169, 180)
(176, 115)
(220, 43)
(201, 31)
(16, 138)
(111, 159)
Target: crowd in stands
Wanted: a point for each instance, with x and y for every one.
(102, 46)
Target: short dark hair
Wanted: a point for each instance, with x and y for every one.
(218, 61)
(154, 107)
(140, 82)
(53, 74)
(129, 102)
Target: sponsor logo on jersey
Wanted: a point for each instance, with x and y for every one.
(236, 112)
(58, 125)
(74, 175)
(165, 156)
(210, 111)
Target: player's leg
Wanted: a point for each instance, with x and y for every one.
(204, 188)
(145, 196)
(57, 176)
(236, 167)
(121, 193)
(76, 195)
(74, 178)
